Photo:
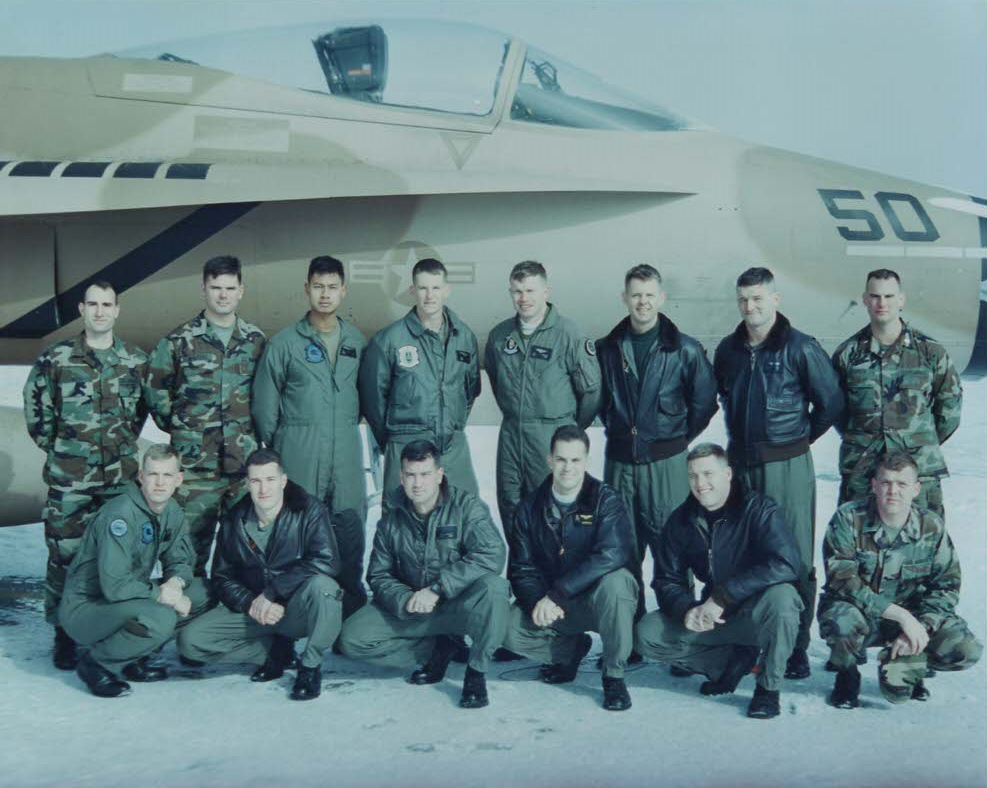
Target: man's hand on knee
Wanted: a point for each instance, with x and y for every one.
(546, 612)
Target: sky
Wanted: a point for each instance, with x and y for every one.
(899, 86)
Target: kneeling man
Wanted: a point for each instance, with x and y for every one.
(111, 605)
(892, 581)
(434, 572)
(739, 546)
(571, 552)
(273, 572)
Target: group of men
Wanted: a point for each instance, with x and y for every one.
(265, 441)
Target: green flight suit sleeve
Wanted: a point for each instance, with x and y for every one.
(843, 579)
(490, 365)
(39, 403)
(389, 591)
(375, 378)
(178, 559)
(116, 556)
(484, 552)
(268, 385)
(474, 381)
(942, 589)
(160, 383)
(947, 397)
(584, 374)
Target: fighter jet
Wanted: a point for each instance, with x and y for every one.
(386, 143)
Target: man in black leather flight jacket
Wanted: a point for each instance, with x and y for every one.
(737, 543)
(779, 393)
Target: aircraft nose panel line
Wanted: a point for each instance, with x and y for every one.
(978, 359)
(132, 268)
(196, 171)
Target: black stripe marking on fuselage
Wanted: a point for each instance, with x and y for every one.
(33, 169)
(132, 268)
(137, 169)
(85, 169)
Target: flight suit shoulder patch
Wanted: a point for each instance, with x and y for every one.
(118, 527)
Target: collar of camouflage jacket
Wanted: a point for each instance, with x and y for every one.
(81, 350)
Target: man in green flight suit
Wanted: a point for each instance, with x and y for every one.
(902, 393)
(544, 375)
(198, 390)
(83, 407)
(419, 379)
(435, 572)
(306, 407)
(111, 605)
(892, 581)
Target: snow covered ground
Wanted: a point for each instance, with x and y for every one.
(369, 728)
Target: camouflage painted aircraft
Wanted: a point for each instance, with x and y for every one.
(382, 145)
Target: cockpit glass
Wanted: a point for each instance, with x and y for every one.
(555, 93)
(449, 67)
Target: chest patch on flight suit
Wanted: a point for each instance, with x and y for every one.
(463, 356)
(447, 532)
(584, 519)
(314, 354)
(350, 352)
(544, 353)
(118, 528)
(408, 356)
(510, 346)
(147, 533)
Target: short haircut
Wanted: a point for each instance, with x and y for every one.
(704, 450)
(644, 272)
(219, 266)
(421, 450)
(265, 457)
(160, 451)
(324, 264)
(570, 432)
(102, 284)
(429, 266)
(882, 273)
(896, 461)
(527, 268)
(753, 277)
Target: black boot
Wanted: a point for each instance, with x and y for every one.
(474, 690)
(846, 689)
(742, 660)
(308, 683)
(564, 672)
(63, 654)
(143, 670)
(281, 653)
(797, 666)
(764, 705)
(462, 653)
(615, 694)
(920, 691)
(505, 655)
(100, 681)
(433, 671)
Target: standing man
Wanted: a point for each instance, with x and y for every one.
(571, 546)
(738, 545)
(544, 376)
(306, 407)
(83, 406)
(892, 581)
(902, 393)
(111, 605)
(658, 394)
(273, 573)
(779, 393)
(198, 390)
(434, 572)
(419, 379)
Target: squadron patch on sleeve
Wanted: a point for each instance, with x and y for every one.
(118, 528)
(314, 353)
(510, 346)
(590, 348)
(408, 356)
(147, 533)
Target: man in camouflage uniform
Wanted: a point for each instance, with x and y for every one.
(892, 581)
(111, 605)
(544, 375)
(83, 406)
(902, 393)
(306, 407)
(419, 378)
(198, 389)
